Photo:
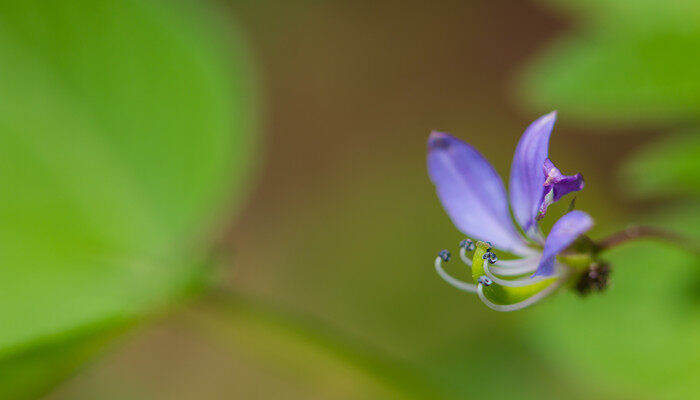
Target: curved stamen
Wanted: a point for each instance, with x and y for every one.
(522, 304)
(463, 256)
(514, 267)
(513, 283)
(490, 257)
(467, 244)
(519, 262)
(483, 280)
(467, 287)
(506, 267)
(510, 271)
(445, 255)
(518, 266)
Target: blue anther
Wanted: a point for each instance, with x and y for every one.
(490, 257)
(445, 255)
(484, 280)
(493, 258)
(467, 244)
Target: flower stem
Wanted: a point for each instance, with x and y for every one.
(647, 232)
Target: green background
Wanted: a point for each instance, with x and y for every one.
(228, 199)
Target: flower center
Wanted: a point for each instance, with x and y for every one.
(499, 283)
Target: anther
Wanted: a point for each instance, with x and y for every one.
(490, 257)
(484, 280)
(461, 285)
(467, 244)
(445, 255)
(522, 304)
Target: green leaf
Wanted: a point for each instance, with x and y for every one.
(229, 337)
(669, 167)
(124, 130)
(640, 336)
(281, 339)
(629, 62)
(31, 374)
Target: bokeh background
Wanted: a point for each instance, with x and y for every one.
(228, 199)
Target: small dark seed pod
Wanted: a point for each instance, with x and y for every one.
(595, 279)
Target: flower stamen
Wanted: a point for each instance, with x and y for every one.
(467, 244)
(484, 280)
(519, 266)
(490, 257)
(444, 255)
(515, 282)
(520, 305)
(463, 255)
(503, 270)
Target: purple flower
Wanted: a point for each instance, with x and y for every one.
(556, 185)
(475, 198)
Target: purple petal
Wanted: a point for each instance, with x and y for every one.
(567, 229)
(472, 193)
(557, 185)
(526, 175)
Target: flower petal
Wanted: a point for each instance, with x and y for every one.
(557, 185)
(567, 229)
(472, 193)
(526, 175)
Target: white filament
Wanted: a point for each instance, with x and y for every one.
(518, 266)
(520, 262)
(467, 287)
(513, 283)
(512, 271)
(522, 304)
(463, 256)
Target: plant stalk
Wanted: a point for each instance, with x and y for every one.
(647, 232)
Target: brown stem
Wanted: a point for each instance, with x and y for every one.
(640, 232)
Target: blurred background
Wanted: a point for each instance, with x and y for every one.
(228, 199)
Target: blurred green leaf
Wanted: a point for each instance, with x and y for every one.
(30, 374)
(669, 167)
(281, 339)
(640, 336)
(124, 126)
(368, 270)
(628, 62)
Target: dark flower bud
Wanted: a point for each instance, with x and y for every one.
(595, 279)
